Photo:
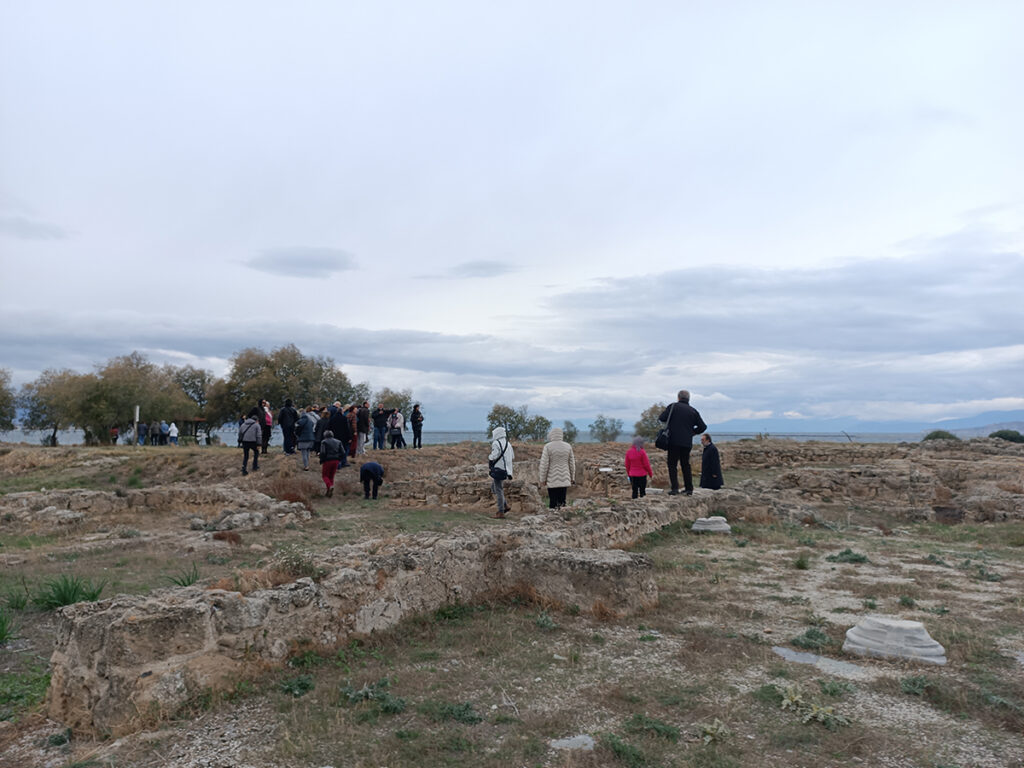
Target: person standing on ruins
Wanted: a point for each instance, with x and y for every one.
(305, 434)
(683, 423)
(363, 427)
(710, 465)
(638, 468)
(416, 420)
(500, 463)
(287, 418)
(557, 468)
(380, 426)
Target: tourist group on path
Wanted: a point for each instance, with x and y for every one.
(337, 433)
(333, 433)
(557, 469)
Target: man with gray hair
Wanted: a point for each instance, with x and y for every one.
(683, 422)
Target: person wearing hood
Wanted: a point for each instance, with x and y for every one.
(250, 435)
(500, 463)
(332, 451)
(557, 468)
(172, 433)
(710, 465)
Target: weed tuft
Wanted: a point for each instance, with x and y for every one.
(813, 639)
(67, 590)
(185, 577)
(297, 686)
(639, 723)
(847, 556)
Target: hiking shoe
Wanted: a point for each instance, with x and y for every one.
(245, 471)
(674, 492)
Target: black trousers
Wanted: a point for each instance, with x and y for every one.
(681, 454)
(255, 448)
(556, 497)
(639, 485)
(266, 429)
(417, 437)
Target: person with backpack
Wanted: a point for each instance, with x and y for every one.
(396, 426)
(500, 463)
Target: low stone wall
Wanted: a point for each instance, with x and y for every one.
(74, 506)
(120, 663)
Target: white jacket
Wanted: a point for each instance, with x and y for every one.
(557, 462)
(501, 442)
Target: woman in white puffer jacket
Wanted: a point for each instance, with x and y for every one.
(557, 468)
(500, 463)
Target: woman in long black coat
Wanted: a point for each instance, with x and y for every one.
(710, 465)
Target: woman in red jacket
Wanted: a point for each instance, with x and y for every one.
(638, 467)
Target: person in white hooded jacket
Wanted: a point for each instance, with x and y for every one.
(557, 468)
(500, 462)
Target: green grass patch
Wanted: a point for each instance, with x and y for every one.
(20, 692)
(847, 556)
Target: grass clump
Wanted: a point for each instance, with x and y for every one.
(8, 629)
(186, 577)
(813, 640)
(624, 752)
(440, 711)
(835, 688)
(639, 723)
(21, 691)
(67, 590)
(297, 562)
(803, 562)
(297, 686)
(847, 556)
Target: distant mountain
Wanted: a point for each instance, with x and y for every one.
(973, 426)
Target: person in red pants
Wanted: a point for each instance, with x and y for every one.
(331, 451)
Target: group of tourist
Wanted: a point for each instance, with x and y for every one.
(334, 433)
(557, 468)
(157, 434)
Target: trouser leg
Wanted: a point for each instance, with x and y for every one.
(499, 494)
(687, 470)
(673, 475)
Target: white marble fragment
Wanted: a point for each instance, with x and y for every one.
(715, 524)
(893, 638)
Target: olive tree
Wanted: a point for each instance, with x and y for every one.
(49, 402)
(605, 430)
(648, 426)
(7, 401)
(517, 422)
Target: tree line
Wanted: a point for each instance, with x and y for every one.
(105, 398)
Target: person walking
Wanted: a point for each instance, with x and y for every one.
(416, 419)
(683, 423)
(143, 432)
(371, 474)
(165, 429)
(305, 434)
(172, 433)
(638, 467)
(362, 428)
(500, 462)
(352, 412)
(249, 435)
(380, 426)
(287, 418)
(332, 451)
(557, 468)
(710, 465)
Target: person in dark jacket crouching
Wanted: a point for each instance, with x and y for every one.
(331, 452)
(371, 473)
(710, 465)
(683, 423)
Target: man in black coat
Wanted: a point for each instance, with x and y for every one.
(287, 417)
(363, 427)
(710, 465)
(338, 424)
(683, 423)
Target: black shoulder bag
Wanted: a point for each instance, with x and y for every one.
(498, 473)
(661, 441)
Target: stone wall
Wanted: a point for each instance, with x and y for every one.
(120, 663)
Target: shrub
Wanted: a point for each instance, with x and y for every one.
(813, 639)
(66, 590)
(1008, 434)
(297, 686)
(847, 556)
(569, 432)
(940, 434)
(803, 562)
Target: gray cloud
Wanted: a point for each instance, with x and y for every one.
(303, 262)
(25, 228)
(469, 269)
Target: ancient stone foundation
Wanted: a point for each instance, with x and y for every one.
(123, 662)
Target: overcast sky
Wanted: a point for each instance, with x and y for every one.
(808, 211)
